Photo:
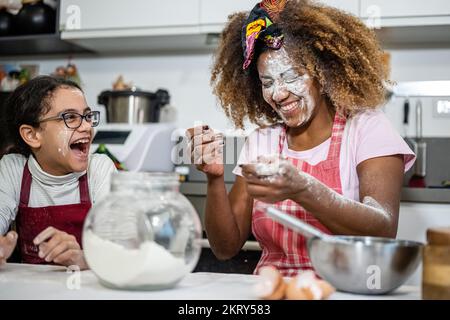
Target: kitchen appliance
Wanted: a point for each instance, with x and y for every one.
(35, 17)
(133, 106)
(140, 147)
(363, 265)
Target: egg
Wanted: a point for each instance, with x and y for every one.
(270, 285)
(306, 286)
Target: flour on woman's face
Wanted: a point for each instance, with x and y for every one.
(289, 93)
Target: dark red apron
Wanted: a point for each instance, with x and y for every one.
(32, 221)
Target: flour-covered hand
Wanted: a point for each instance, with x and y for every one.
(206, 147)
(283, 182)
(7, 245)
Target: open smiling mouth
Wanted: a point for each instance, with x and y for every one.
(81, 147)
(289, 108)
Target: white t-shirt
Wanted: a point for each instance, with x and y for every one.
(367, 135)
(46, 189)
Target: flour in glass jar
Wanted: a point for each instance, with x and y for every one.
(149, 265)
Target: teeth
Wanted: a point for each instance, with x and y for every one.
(290, 106)
(81, 141)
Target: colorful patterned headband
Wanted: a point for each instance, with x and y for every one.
(260, 25)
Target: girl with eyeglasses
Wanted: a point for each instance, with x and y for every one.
(48, 181)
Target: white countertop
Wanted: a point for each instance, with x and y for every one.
(23, 281)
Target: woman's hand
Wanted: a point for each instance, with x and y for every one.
(7, 245)
(206, 149)
(60, 247)
(273, 181)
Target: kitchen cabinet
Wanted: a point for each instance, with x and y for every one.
(408, 23)
(407, 12)
(406, 8)
(350, 6)
(214, 13)
(140, 26)
(132, 26)
(103, 15)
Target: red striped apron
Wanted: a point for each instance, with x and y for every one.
(281, 247)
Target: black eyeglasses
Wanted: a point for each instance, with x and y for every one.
(74, 120)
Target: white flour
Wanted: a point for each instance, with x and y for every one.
(267, 169)
(279, 78)
(150, 265)
(270, 165)
(64, 138)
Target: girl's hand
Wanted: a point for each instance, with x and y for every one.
(7, 245)
(60, 247)
(206, 149)
(273, 181)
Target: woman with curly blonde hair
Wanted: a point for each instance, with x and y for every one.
(312, 78)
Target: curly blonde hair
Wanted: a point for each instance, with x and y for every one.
(335, 48)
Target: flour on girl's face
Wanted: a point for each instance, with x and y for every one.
(64, 138)
(282, 85)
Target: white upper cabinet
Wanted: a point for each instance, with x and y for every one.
(406, 13)
(351, 6)
(143, 25)
(408, 22)
(133, 25)
(90, 15)
(214, 13)
(405, 8)
(217, 11)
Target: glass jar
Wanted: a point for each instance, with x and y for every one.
(144, 235)
(436, 265)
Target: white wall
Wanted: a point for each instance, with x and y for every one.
(186, 76)
(414, 221)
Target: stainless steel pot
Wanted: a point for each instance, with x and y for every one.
(133, 106)
(363, 265)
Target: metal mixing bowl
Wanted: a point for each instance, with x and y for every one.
(365, 265)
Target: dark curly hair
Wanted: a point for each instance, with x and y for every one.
(26, 105)
(335, 48)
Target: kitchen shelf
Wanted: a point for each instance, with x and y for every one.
(37, 45)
